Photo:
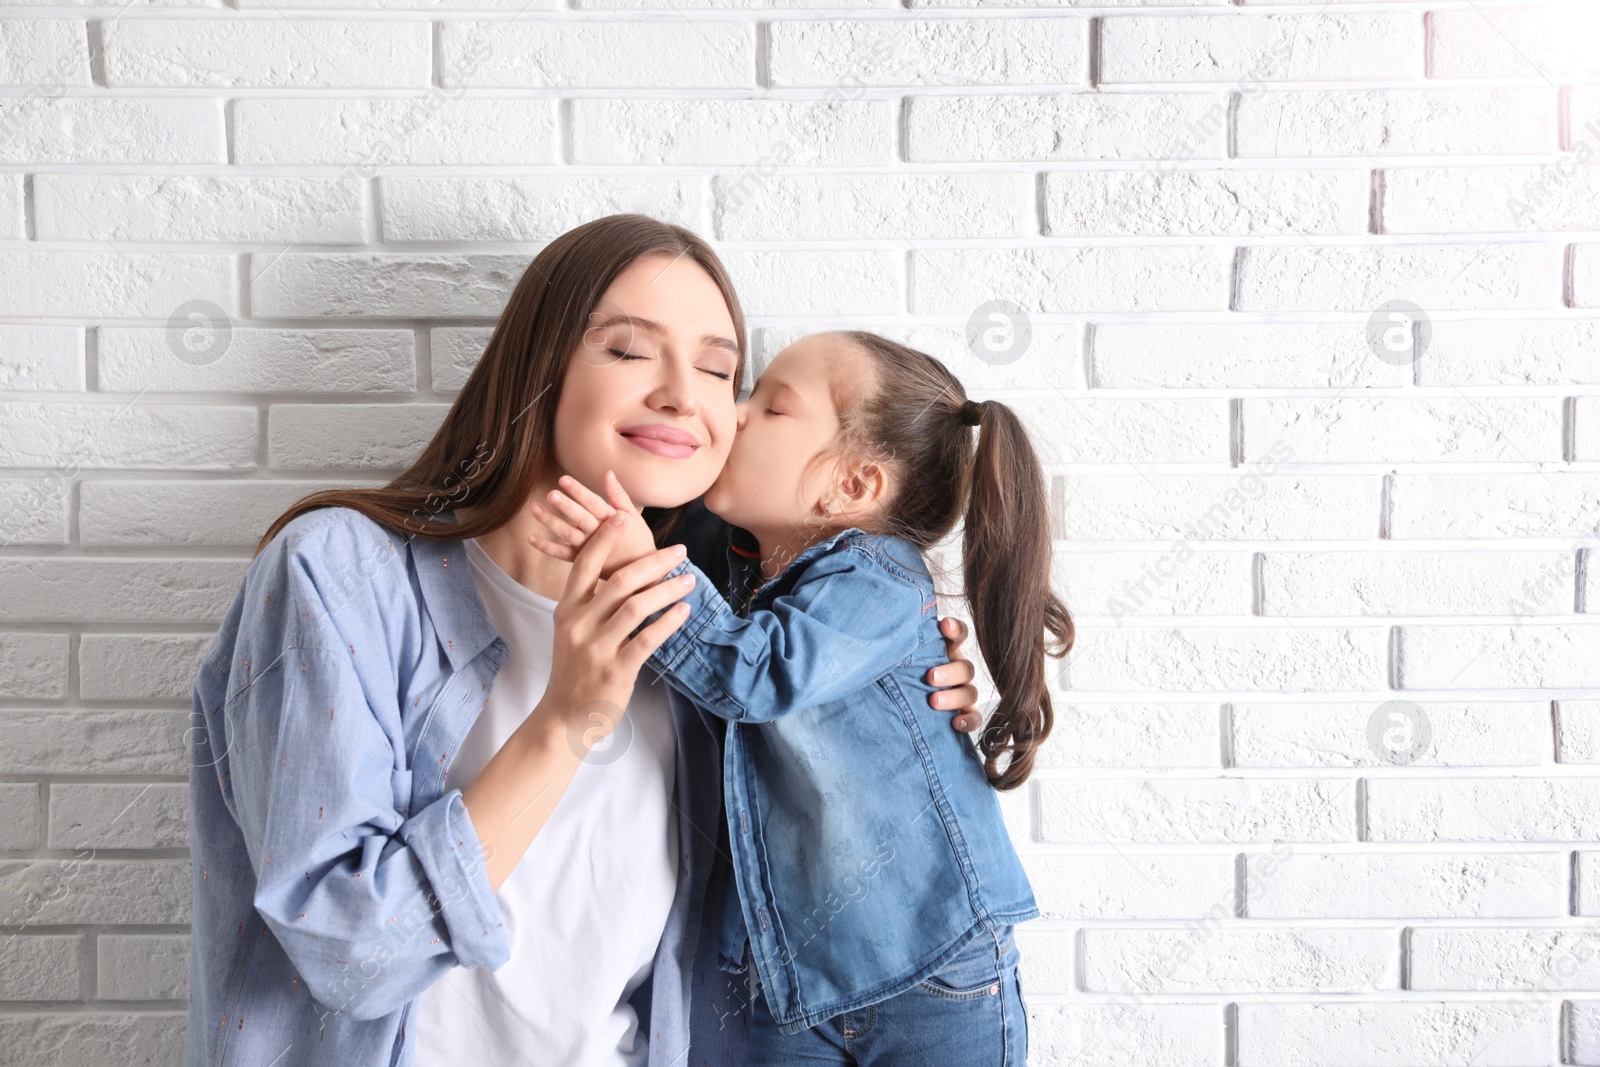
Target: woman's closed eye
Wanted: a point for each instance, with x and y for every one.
(726, 376)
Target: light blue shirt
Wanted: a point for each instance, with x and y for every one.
(335, 877)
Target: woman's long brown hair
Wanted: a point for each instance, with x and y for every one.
(498, 437)
(912, 423)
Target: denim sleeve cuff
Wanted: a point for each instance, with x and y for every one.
(445, 842)
(704, 603)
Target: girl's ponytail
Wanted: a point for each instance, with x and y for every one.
(1006, 568)
(917, 419)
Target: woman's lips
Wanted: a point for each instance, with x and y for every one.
(661, 448)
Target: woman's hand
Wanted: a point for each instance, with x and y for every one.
(576, 517)
(962, 696)
(595, 659)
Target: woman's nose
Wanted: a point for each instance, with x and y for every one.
(741, 412)
(674, 393)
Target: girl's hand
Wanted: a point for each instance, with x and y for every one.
(575, 515)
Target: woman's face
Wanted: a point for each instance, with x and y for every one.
(649, 391)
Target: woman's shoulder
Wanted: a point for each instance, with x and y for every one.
(320, 564)
(330, 535)
(336, 555)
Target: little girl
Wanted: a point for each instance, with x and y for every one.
(877, 886)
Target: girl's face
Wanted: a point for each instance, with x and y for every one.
(770, 485)
(649, 391)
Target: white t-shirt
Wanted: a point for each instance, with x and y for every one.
(585, 906)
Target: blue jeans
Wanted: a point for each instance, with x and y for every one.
(968, 1014)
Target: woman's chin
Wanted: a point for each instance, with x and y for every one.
(659, 488)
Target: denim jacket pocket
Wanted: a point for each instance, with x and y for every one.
(975, 971)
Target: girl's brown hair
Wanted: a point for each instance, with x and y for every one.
(914, 421)
(498, 437)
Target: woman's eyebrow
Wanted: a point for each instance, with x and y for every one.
(710, 340)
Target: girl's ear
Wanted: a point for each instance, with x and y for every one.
(864, 487)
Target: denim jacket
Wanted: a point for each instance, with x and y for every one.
(334, 876)
(867, 844)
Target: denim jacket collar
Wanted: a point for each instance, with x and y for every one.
(448, 589)
(807, 555)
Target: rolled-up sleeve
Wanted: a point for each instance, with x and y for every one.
(845, 621)
(370, 903)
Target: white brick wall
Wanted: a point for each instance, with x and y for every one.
(1246, 853)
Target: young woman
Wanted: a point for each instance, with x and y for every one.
(877, 886)
(405, 693)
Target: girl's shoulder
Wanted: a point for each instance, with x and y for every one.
(896, 555)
